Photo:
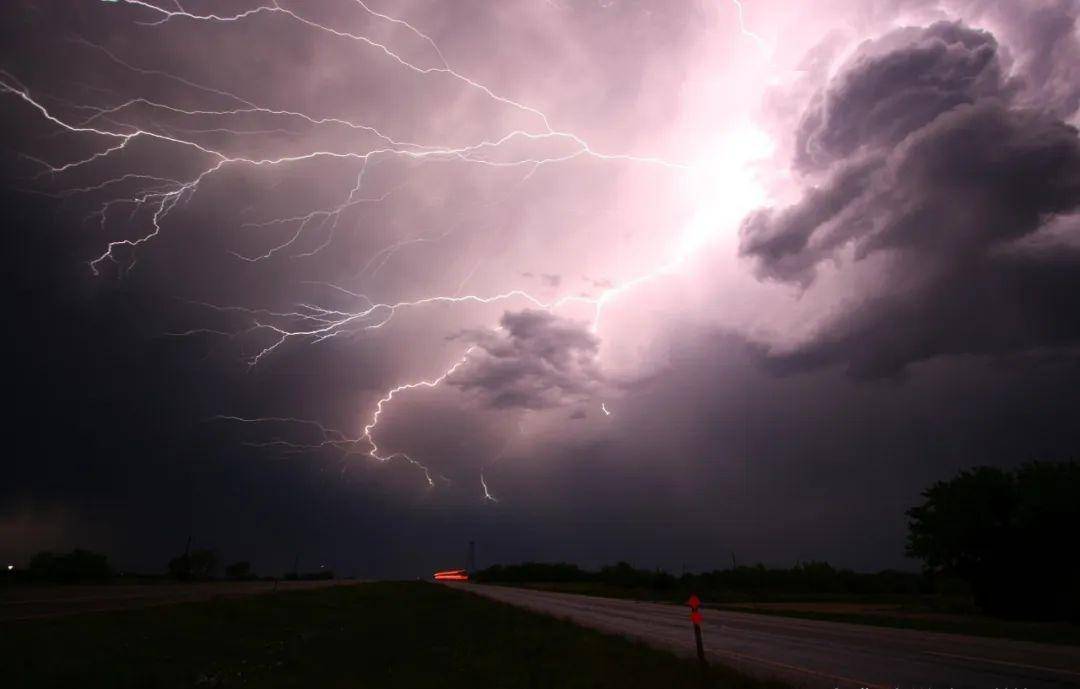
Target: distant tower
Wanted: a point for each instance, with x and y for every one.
(472, 556)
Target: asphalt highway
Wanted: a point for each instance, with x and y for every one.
(810, 653)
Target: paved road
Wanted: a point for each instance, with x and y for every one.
(810, 653)
(28, 603)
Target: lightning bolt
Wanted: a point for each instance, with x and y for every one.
(747, 32)
(374, 452)
(487, 493)
(113, 125)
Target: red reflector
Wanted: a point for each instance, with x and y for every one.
(695, 617)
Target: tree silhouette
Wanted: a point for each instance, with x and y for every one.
(1009, 534)
(239, 571)
(199, 564)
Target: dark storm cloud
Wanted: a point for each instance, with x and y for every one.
(1052, 54)
(536, 360)
(882, 98)
(781, 238)
(124, 406)
(1041, 40)
(934, 161)
(711, 453)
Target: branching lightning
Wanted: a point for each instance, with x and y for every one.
(487, 492)
(113, 124)
(747, 32)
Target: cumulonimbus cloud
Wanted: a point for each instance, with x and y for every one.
(927, 152)
(535, 360)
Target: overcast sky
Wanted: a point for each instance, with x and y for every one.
(585, 280)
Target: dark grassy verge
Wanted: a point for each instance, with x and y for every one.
(969, 623)
(381, 635)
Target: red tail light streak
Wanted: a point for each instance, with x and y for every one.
(452, 575)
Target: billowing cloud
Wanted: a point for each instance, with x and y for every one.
(1053, 65)
(922, 153)
(888, 93)
(922, 205)
(535, 360)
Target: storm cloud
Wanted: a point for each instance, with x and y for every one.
(922, 153)
(617, 259)
(535, 360)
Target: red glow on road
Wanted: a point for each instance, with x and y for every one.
(452, 575)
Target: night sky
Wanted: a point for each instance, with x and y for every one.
(585, 280)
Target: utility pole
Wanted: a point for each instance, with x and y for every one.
(472, 557)
(187, 560)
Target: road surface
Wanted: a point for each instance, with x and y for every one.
(810, 653)
(36, 602)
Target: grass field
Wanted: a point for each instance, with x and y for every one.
(901, 612)
(379, 635)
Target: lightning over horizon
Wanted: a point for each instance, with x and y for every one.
(127, 121)
(144, 158)
(582, 281)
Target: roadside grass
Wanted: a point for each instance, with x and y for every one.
(380, 635)
(926, 613)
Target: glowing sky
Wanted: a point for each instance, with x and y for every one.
(555, 275)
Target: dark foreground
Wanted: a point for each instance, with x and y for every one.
(815, 653)
(18, 604)
(383, 635)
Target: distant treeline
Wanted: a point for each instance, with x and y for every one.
(1005, 537)
(86, 567)
(756, 581)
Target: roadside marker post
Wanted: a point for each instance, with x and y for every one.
(695, 617)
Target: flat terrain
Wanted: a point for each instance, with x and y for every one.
(35, 602)
(815, 653)
(408, 635)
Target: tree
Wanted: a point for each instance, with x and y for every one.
(199, 564)
(203, 563)
(180, 568)
(239, 570)
(1009, 534)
